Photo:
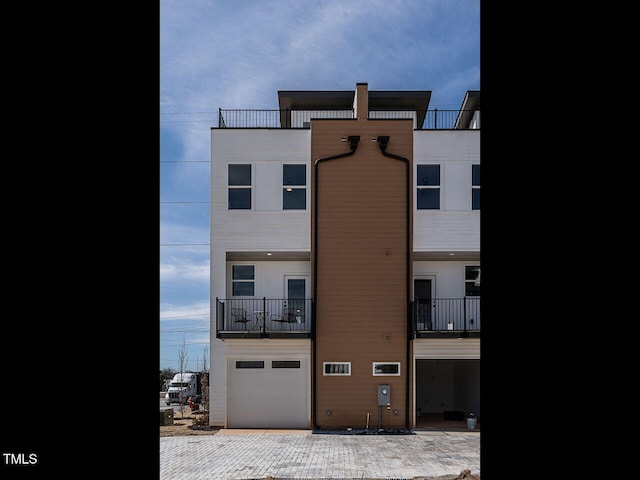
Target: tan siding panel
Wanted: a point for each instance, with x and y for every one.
(361, 303)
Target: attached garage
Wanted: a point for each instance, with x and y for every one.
(447, 377)
(268, 392)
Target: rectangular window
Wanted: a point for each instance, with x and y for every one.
(294, 187)
(285, 364)
(250, 364)
(428, 184)
(243, 277)
(239, 187)
(475, 187)
(382, 369)
(336, 368)
(472, 280)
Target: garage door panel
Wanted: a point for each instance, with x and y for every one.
(268, 397)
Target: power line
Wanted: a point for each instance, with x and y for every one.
(189, 113)
(193, 329)
(186, 316)
(181, 244)
(187, 121)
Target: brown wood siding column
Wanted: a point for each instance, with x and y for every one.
(361, 270)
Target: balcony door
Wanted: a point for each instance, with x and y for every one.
(295, 287)
(423, 303)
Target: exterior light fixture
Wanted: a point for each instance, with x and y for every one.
(269, 254)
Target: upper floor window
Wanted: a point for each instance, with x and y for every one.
(294, 187)
(428, 182)
(475, 187)
(243, 277)
(239, 186)
(472, 280)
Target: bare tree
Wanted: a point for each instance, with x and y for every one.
(182, 362)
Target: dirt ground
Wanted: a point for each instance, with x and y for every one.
(183, 424)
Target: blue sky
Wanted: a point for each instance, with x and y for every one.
(221, 54)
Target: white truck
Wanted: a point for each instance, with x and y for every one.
(183, 386)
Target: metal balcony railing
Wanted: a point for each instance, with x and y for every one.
(428, 119)
(446, 315)
(263, 315)
(283, 317)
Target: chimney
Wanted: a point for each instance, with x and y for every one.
(361, 101)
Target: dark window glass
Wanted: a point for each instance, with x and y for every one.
(250, 364)
(475, 199)
(239, 198)
(241, 286)
(336, 369)
(240, 175)
(472, 290)
(475, 175)
(243, 272)
(294, 198)
(285, 364)
(472, 281)
(243, 289)
(294, 174)
(428, 175)
(428, 198)
(387, 368)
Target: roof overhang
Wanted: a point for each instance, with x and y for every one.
(343, 99)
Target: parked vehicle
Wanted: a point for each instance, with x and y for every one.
(183, 386)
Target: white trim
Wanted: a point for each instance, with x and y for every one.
(385, 374)
(324, 373)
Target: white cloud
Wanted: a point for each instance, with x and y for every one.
(197, 311)
(184, 270)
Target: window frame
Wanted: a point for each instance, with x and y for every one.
(234, 281)
(249, 364)
(472, 281)
(241, 186)
(420, 187)
(293, 187)
(475, 187)
(386, 374)
(324, 369)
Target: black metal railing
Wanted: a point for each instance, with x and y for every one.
(263, 315)
(446, 314)
(432, 119)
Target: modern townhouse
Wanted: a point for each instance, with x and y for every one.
(345, 261)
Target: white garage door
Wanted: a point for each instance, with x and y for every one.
(268, 393)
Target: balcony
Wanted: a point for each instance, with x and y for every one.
(292, 318)
(263, 318)
(446, 317)
(423, 119)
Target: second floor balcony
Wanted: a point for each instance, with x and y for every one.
(293, 318)
(263, 317)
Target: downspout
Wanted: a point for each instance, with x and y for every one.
(382, 143)
(353, 145)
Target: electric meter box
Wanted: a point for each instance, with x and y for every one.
(384, 394)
